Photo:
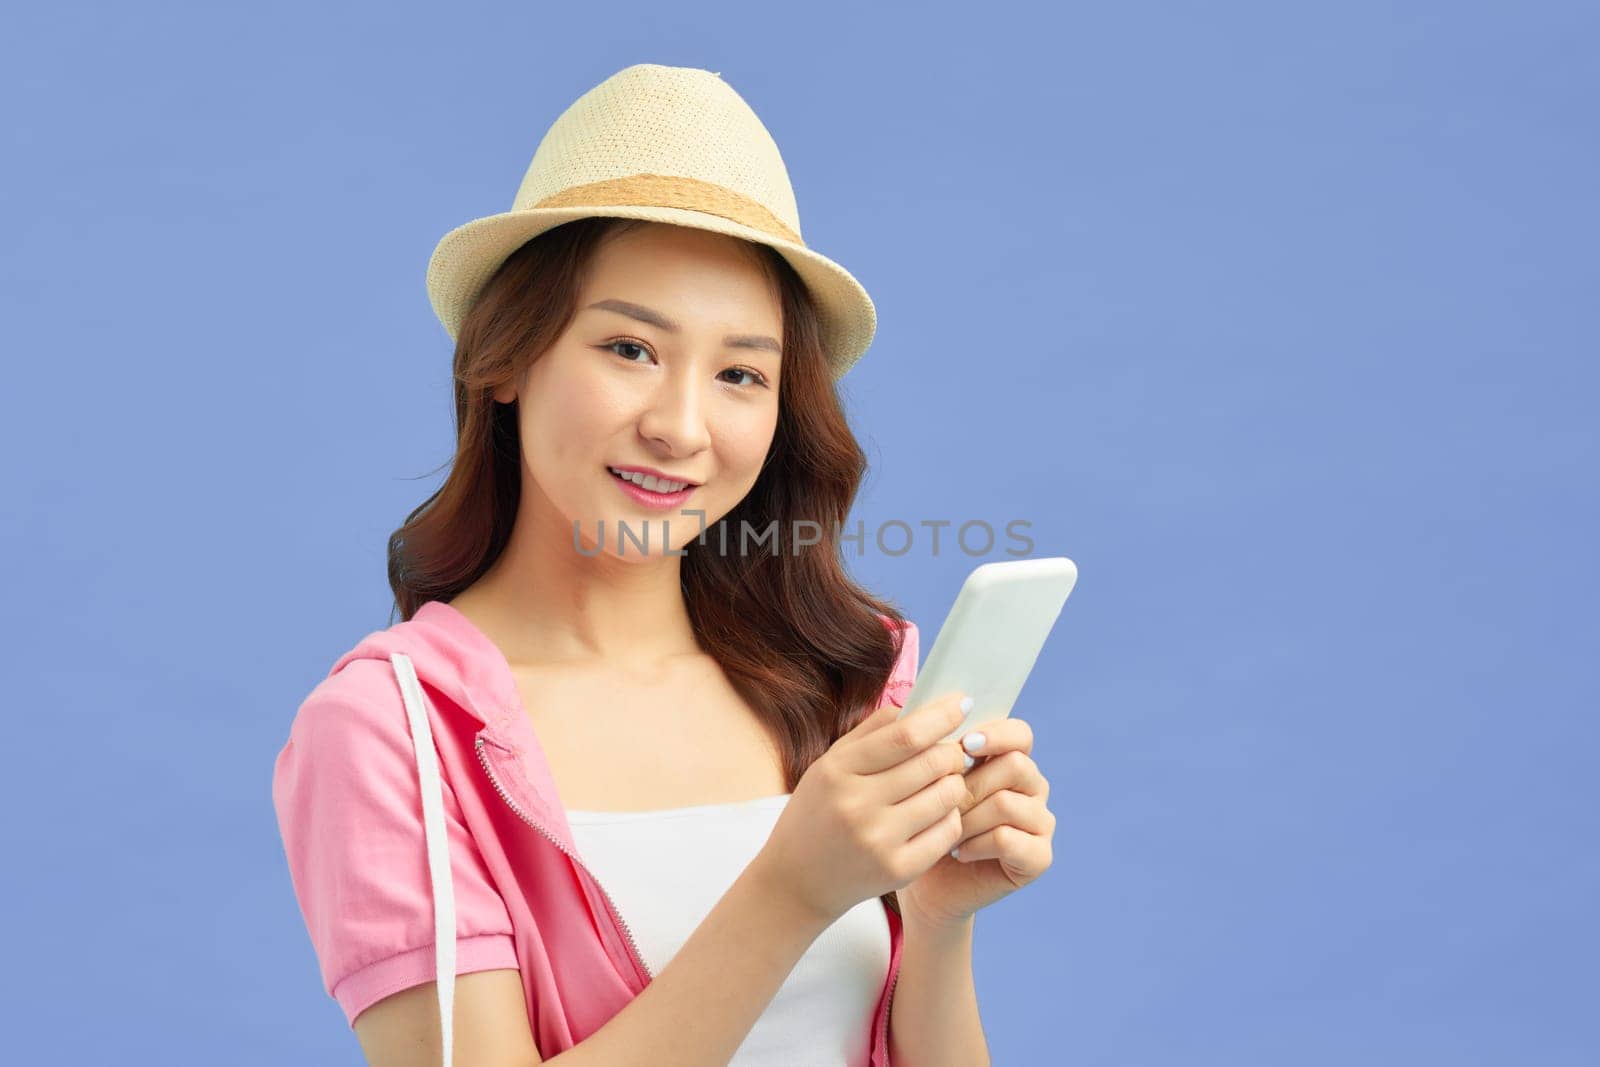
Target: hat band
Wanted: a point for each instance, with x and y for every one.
(665, 190)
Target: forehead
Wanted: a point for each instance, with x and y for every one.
(687, 274)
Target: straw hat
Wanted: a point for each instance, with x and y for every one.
(670, 144)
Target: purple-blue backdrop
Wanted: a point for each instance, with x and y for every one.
(1281, 323)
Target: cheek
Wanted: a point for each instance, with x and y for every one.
(745, 442)
(559, 434)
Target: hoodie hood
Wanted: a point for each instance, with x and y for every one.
(450, 654)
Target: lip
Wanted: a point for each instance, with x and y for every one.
(652, 470)
(649, 499)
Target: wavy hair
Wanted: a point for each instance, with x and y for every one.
(802, 643)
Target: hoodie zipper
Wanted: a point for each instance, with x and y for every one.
(888, 1011)
(616, 915)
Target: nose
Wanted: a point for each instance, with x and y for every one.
(674, 417)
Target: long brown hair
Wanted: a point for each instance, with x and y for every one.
(798, 639)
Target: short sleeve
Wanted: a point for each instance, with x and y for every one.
(349, 808)
(904, 674)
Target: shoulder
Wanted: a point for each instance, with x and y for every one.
(349, 747)
(361, 701)
(903, 675)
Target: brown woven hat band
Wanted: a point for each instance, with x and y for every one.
(665, 190)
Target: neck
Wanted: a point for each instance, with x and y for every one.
(551, 603)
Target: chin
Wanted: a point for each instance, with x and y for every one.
(649, 531)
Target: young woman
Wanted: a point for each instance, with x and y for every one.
(676, 830)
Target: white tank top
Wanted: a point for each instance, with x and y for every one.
(666, 870)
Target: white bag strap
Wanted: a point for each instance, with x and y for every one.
(444, 902)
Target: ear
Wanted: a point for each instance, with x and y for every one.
(513, 386)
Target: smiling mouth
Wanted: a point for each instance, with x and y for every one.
(685, 486)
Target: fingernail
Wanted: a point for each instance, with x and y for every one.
(973, 742)
(954, 853)
(966, 704)
(970, 761)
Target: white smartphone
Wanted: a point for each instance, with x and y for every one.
(992, 637)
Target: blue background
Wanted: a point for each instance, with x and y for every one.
(1278, 319)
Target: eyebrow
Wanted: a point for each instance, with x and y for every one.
(655, 318)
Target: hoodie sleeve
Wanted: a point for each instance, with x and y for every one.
(349, 809)
(904, 674)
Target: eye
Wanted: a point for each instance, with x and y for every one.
(614, 345)
(757, 379)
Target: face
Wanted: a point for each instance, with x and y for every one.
(693, 392)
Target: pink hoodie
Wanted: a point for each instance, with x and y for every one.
(350, 811)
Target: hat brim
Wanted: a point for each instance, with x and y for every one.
(467, 257)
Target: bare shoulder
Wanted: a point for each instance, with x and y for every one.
(492, 1028)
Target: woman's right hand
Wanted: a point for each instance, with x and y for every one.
(873, 812)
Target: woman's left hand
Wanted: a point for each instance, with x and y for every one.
(1006, 832)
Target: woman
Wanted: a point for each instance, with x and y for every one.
(671, 828)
